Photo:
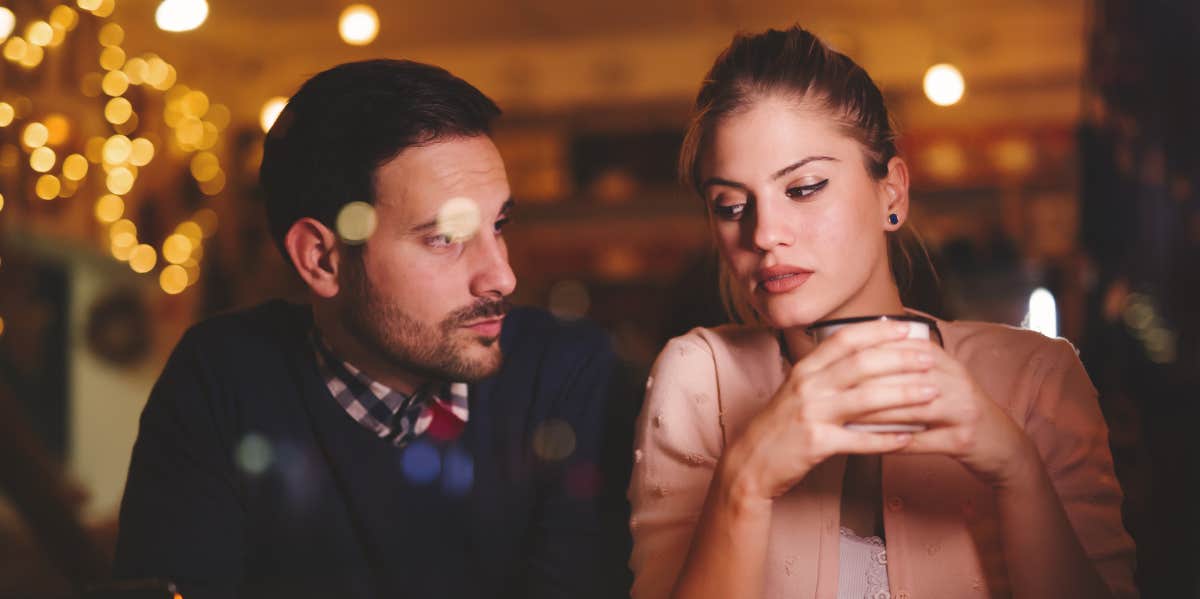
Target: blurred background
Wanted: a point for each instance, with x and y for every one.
(1053, 145)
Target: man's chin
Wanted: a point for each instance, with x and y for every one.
(481, 359)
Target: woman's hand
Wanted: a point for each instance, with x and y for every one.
(963, 423)
(804, 423)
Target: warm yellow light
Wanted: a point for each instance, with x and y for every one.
(36, 135)
(168, 81)
(118, 110)
(58, 36)
(75, 167)
(58, 129)
(219, 116)
(120, 180)
(1, 201)
(121, 252)
(141, 152)
(33, 56)
(215, 185)
(64, 16)
(115, 83)
(190, 131)
(135, 69)
(270, 111)
(8, 21)
(105, 9)
(123, 226)
(47, 187)
(1, 326)
(143, 258)
(39, 33)
(111, 34)
(191, 230)
(209, 139)
(205, 166)
(69, 188)
(358, 25)
(42, 159)
(206, 219)
(944, 84)
(7, 114)
(194, 104)
(88, 5)
(177, 248)
(117, 149)
(94, 149)
(15, 49)
(109, 208)
(173, 279)
(181, 15)
(112, 58)
(156, 71)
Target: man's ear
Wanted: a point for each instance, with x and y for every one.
(316, 254)
(895, 187)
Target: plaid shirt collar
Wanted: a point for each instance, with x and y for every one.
(438, 408)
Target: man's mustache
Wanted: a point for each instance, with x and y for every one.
(481, 310)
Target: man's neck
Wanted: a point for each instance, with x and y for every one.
(348, 348)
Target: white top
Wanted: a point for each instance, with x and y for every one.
(862, 567)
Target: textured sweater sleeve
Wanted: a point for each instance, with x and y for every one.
(1068, 428)
(678, 442)
(181, 516)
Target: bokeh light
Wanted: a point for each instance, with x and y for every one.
(358, 25)
(180, 15)
(112, 58)
(39, 33)
(42, 159)
(7, 22)
(553, 440)
(110, 34)
(458, 472)
(944, 84)
(173, 279)
(47, 187)
(7, 114)
(141, 152)
(118, 110)
(75, 167)
(117, 149)
(205, 166)
(458, 219)
(109, 208)
(177, 248)
(35, 135)
(356, 222)
(143, 258)
(421, 463)
(569, 300)
(58, 129)
(120, 180)
(254, 454)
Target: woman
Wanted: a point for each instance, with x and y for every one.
(746, 481)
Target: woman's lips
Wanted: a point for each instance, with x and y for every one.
(781, 279)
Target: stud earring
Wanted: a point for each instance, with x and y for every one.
(892, 218)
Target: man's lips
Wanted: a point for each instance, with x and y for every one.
(488, 327)
(781, 279)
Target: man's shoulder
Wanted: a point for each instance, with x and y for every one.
(250, 331)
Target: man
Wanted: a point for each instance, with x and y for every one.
(405, 434)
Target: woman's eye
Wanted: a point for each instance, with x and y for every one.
(802, 191)
(499, 226)
(730, 212)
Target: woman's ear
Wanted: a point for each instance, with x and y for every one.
(314, 251)
(895, 194)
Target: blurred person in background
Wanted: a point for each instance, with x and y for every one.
(404, 434)
(1007, 487)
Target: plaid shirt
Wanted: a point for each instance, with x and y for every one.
(437, 408)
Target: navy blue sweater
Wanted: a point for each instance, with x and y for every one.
(248, 479)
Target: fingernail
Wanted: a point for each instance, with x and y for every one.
(902, 328)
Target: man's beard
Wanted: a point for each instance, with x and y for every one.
(435, 351)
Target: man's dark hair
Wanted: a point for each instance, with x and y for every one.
(344, 123)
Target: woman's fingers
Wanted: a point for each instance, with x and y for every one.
(842, 440)
(911, 393)
(872, 362)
